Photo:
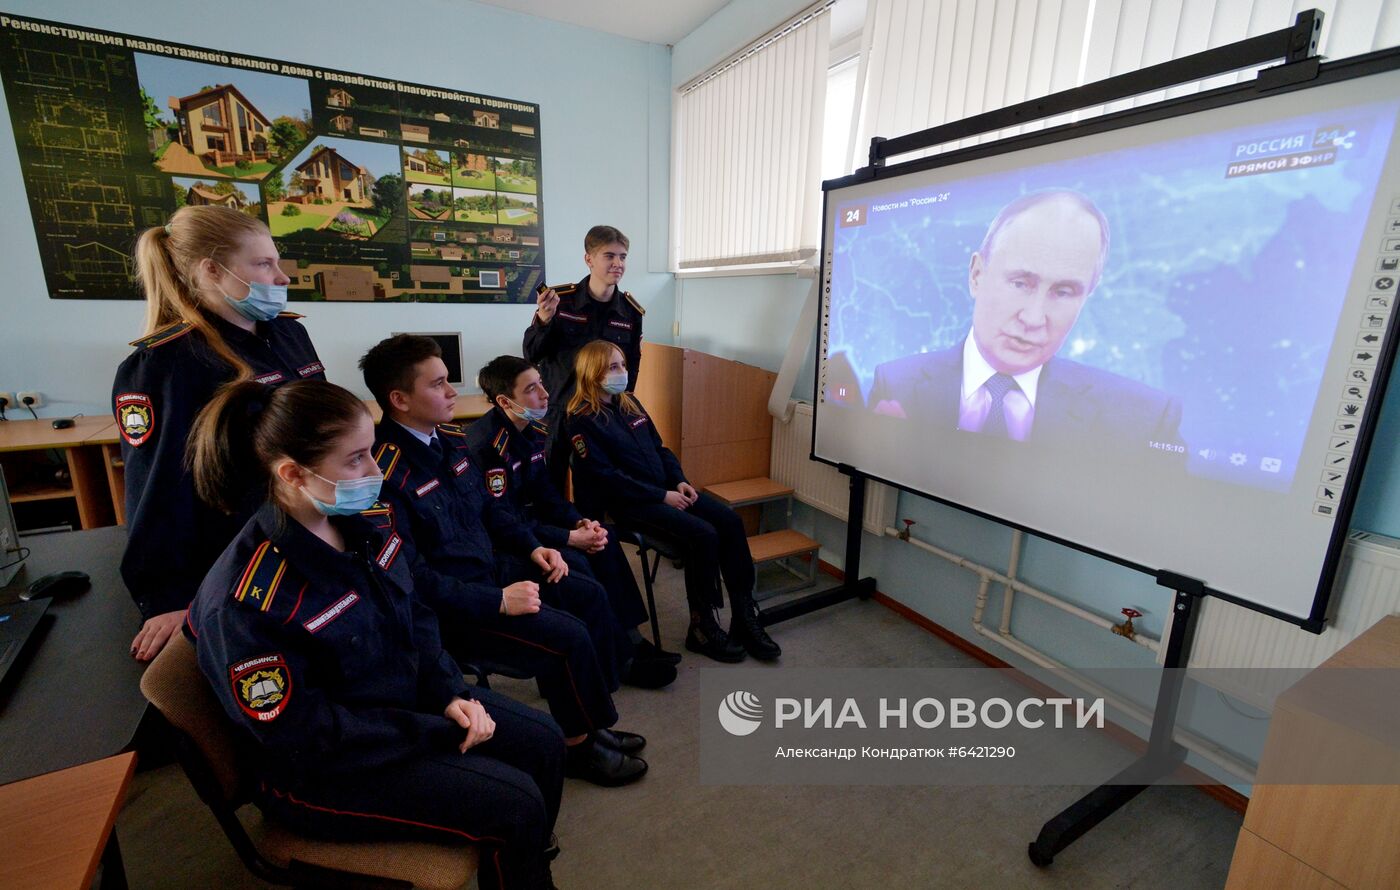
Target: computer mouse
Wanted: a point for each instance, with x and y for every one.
(63, 423)
(58, 584)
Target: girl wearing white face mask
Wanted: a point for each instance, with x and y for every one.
(215, 294)
(621, 468)
(356, 722)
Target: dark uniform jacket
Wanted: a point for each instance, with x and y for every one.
(452, 518)
(325, 661)
(619, 457)
(173, 538)
(580, 319)
(522, 456)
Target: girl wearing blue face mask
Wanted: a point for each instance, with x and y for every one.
(215, 293)
(308, 629)
(621, 468)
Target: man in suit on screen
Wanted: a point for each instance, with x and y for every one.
(1040, 260)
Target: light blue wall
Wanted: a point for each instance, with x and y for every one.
(605, 131)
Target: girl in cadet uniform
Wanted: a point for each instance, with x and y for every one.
(621, 466)
(356, 722)
(215, 296)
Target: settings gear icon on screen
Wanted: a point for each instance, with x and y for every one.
(1238, 458)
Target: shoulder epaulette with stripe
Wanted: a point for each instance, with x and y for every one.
(501, 443)
(564, 290)
(164, 334)
(627, 295)
(290, 315)
(540, 427)
(264, 578)
(379, 508)
(387, 457)
(452, 429)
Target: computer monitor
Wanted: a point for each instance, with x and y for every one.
(9, 536)
(451, 343)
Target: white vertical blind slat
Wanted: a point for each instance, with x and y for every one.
(748, 154)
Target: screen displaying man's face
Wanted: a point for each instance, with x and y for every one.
(1028, 293)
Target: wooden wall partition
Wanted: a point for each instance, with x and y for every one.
(712, 412)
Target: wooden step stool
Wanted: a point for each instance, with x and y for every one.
(779, 546)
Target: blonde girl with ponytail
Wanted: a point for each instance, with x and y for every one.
(215, 295)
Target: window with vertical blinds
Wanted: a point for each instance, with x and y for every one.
(746, 144)
(929, 62)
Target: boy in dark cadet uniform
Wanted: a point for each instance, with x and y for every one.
(487, 599)
(569, 316)
(512, 439)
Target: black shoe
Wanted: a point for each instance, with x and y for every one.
(747, 629)
(646, 650)
(620, 740)
(649, 674)
(597, 763)
(709, 640)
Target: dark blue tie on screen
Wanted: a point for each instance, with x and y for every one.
(436, 445)
(998, 387)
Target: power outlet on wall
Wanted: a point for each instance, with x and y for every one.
(7, 400)
(30, 399)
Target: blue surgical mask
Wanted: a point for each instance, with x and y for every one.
(614, 384)
(527, 414)
(351, 495)
(264, 301)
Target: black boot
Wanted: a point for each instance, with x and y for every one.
(707, 638)
(746, 628)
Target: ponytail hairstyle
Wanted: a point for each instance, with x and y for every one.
(248, 425)
(167, 257)
(590, 367)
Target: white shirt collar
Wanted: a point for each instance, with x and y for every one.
(425, 438)
(976, 372)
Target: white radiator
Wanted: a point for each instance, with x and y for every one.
(1231, 636)
(819, 485)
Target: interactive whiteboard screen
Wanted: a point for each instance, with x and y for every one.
(1160, 341)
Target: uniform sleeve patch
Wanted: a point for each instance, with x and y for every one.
(625, 325)
(580, 446)
(538, 456)
(638, 422)
(313, 368)
(262, 686)
(496, 481)
(334, 611)
(270, 379)
(136, 417)
(461, 466)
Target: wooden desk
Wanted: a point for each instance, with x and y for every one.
(1305, 828)
(469, 407)
(23, 453)
(75, 697)
(57, 826)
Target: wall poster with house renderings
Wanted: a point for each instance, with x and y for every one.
(373, 189)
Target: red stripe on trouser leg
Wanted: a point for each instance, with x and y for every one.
(569, 670)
